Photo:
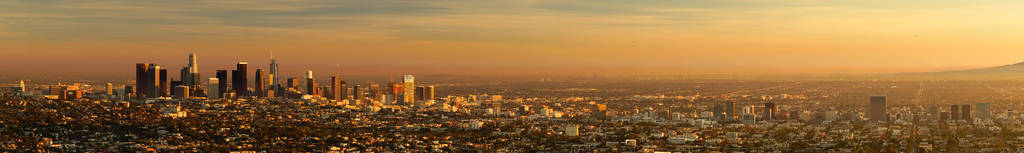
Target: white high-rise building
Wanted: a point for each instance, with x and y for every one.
(214, 86)
(409, 89)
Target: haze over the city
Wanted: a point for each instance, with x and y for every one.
(93, 38)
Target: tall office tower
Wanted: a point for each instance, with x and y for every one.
(427, 93)
(110, 88)
(393, 89)
(717, 111)
(260, 89)
(190, 74)
(274, 77)
(374, 91)
(293, 83)
(409, 93)
(357, 92)
(943, 116)
(239, 80)
(336, 88)
(878, 106)
(770, 109)
(222, 82)
(730, 109)
(214, 86)
(983, 110)
(165, 86)
(419, 92)
(141, 80)
(153, 81)
(954, 112)
(310, 81)
(965, 111)
(185, 75)
(193, 68)
(181, 92)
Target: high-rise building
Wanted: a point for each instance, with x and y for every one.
(409, 87)
(190, 74)
(730, 109)
(147, 79)
(310, 83)
(878, 108)
(214, 86)
(336, 86)
(260, 89)
(141, 80)
(181, 92)
(419, 93)
(110, 88)
(154, 87)
(222, 82)
(394, 89)
(983, 110)
(425, 93)
(274, 77)
(293, 83)
(357, 92)
(239, 80)
(954, 112)
(718, 111)
(165, 86)
(375, 91)
(965, 112)
(770, 110)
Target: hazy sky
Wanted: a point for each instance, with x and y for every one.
(473, 36)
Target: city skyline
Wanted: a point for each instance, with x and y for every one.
(529, 37)
(645, 76)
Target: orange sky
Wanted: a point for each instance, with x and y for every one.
(517, 37)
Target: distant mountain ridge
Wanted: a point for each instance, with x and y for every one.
(1006, 72)
(1017, 68)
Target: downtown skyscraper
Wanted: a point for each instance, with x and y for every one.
(274, 77)
(260, 89)
(147, 80)
(239, 80)
(190, 74)
(409, 90)
(878, 108)
(222, 83)
(310, 83)
(337, 88)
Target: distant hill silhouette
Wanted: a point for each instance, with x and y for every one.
(1017, 68)
(1012, 71)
